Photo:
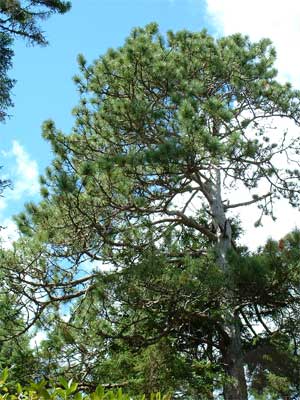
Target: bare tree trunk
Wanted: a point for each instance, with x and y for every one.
(236, 388)
(210, 394)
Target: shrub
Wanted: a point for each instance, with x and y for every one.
(65, 390)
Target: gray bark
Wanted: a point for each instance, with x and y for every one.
(236, 388)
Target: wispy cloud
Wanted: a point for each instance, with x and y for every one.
(26, 172)
(23, 172)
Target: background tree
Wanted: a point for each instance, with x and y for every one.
(165, 132)
(6, 83)
(15, 354)
(269, 282)
(22, 17)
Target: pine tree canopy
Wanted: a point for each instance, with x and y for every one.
(168, 130)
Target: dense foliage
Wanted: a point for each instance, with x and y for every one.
(67, 390)
(136, 240)
(16, 353)
(266, 290)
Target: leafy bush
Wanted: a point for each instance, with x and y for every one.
(66, 390)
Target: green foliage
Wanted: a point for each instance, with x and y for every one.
(269, 280)
(164, 127)
(64, 390)
(15, 353)
(6, 83)
(21, 18)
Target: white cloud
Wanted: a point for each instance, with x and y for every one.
(8, 233)
(22, 171)
(37, 339)
(26, 172)
(279, 21)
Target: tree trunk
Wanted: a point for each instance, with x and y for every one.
(235, 388)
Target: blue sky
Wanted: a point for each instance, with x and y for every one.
(44, 87)
(44, 75)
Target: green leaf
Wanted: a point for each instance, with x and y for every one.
(4, 376)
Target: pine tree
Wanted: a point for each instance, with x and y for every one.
(164, 128)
